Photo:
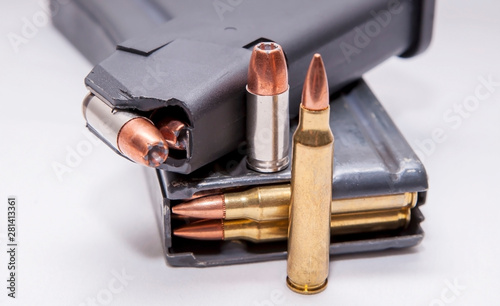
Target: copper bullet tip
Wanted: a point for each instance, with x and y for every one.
(141, 141)
(210, 207)
(202, 230)
(267, 71)
(174, 132)
(315, 94)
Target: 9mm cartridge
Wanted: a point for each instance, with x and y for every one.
(268, 124)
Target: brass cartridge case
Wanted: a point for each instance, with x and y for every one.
(259, 203)
(273, 203)
(373, 221)
(310, 204)
(341, 224)
(255, 231)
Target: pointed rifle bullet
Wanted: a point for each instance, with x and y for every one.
(202, 230)
(210, 207)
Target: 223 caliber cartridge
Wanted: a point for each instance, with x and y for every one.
(265, 231)
(265, 203)
(310, 216)
(191, 65)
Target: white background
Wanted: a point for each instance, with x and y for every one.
(74, 233)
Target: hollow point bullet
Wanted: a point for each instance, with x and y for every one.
(134, 136)
(311, 187)
(174, 131)
(264, 203)
(268, 123)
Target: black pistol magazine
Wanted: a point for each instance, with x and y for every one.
(192, 63)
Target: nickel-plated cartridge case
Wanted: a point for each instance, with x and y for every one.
(268, 123)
